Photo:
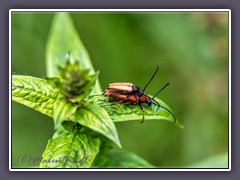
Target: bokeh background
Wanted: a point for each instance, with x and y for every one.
(191, 49)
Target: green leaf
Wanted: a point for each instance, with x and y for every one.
(70, 150)
(121, 159)
(62, 39)
(97, 119)
(62, 110)
(34, 92)
(120, 113)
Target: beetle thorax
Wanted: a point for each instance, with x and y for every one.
(137, 90)
(145, 99)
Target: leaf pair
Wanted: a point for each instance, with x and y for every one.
(39, 94)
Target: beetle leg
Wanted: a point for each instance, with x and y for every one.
(142, 111)
(121, 102)
(137, 97)
(117, 103)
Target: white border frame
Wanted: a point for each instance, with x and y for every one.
(119, 10)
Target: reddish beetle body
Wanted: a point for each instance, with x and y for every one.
(127, 97)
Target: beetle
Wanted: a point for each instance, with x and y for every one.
(129, 93)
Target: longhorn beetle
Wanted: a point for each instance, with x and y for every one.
(128, 93)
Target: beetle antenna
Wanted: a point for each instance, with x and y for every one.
(160, 90)
(156, 103)
(151, 78)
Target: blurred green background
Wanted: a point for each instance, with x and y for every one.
(191, 49)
